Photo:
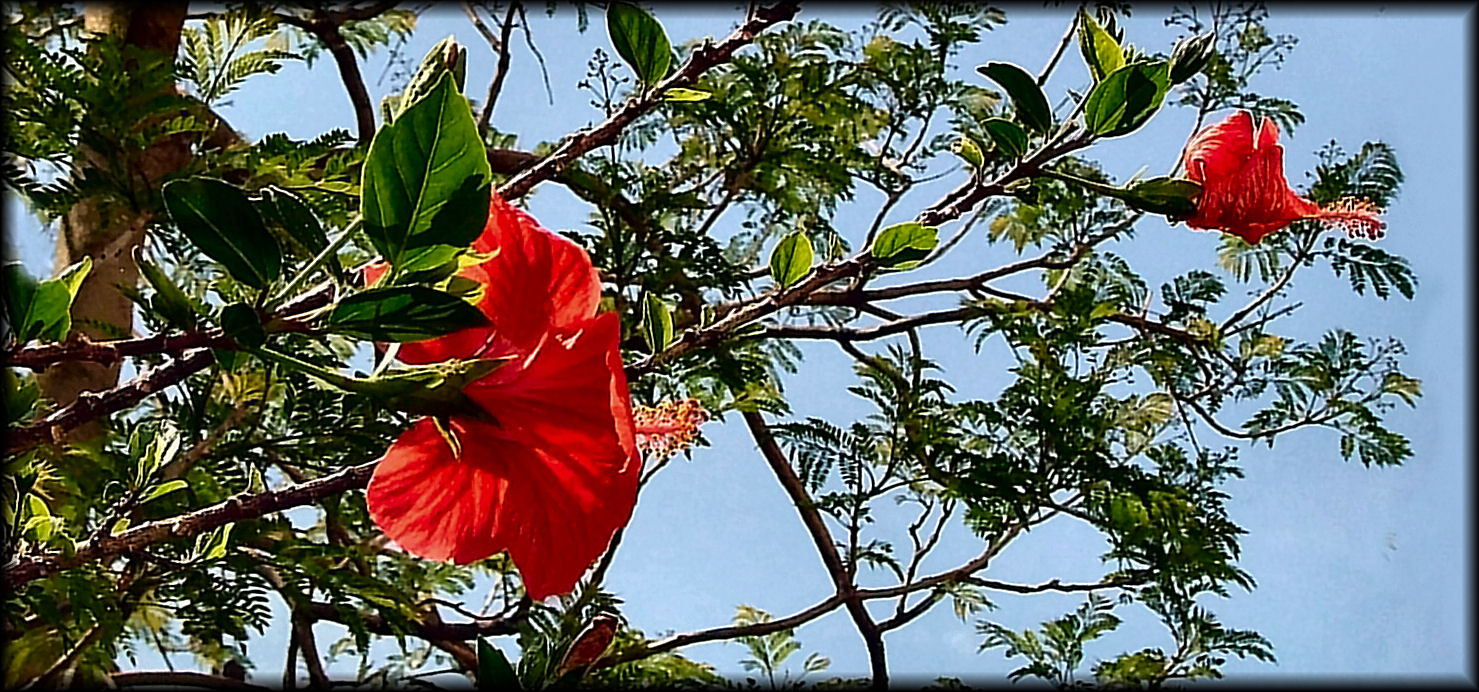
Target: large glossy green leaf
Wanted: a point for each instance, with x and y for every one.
(426, 177)
(1101, 52)
(19, 287)
(241, 323)
(1127, 98)
(791, 259)
(1027, 96)
(217, 217)
(640, 40)
(904, 245)
(402, 313)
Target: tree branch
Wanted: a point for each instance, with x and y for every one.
(28, 568)
(91, 405)
(727, 632)
(869, 333)
(451, 631)
(822, 538)
(699, 61)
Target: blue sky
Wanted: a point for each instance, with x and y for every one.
(1360, 571)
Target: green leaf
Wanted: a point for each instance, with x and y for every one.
(213, 545)
(1172, 197)
(1008, 136)
(19, 395)
(494, 672)
(1126, 99)
(1101, 52)
(640, 40)
(1027, 96)
(168, 300)
(426, 177)
(43, 310)
(402, 313)
(791, 259)
(904, 245)
(217, 217)
(163, 447)
(162, 489)
(289, 212)
(19, 287)
(429, 264)
(242, 324)
(969, 151)
(657, 323)
(681, 95)
(1408, 388)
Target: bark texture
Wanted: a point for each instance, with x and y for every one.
(108, 228)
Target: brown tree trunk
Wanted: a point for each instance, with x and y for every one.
(105, 227)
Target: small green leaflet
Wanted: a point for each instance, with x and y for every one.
(402, 313)
(217, 217)
(791, 259)
(1027, 96)
(904, 245)
(681, 95)
(640, 40)
(211, 546)
(970, 152)
(657, 323)
(1101, 52)
(161, 490)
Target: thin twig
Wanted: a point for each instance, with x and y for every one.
(699, 61)
(500, 46)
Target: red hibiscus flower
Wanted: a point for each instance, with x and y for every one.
(547, 470)
(1243, 187)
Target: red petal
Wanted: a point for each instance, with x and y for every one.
(1219, 151)
(569, 393)
(537, 281)
(554, 514)
(434, 505)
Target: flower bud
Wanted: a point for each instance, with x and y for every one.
(1191, 55)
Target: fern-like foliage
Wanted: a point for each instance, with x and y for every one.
(215, 57)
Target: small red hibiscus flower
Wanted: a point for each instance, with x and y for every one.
(1243, 187)
(546, 467)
